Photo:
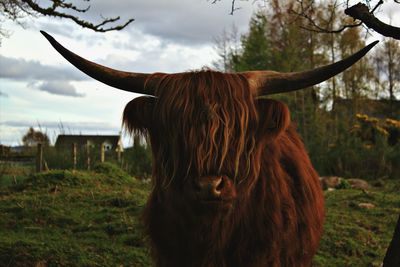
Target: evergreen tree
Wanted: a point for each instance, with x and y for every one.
(255, 54)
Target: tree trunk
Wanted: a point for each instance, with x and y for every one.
(88, 155)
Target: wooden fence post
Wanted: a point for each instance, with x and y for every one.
(102, 153)
(39, 158)
(119, 152)
(88, 155)
(73, 157)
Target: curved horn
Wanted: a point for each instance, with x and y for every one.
(271, 82)
(127, 81)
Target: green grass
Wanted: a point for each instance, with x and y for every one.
(14, 173)
(355, 236)
(60, 218)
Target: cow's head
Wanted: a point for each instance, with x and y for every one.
(207, 128)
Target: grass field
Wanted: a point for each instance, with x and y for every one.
(60, 218)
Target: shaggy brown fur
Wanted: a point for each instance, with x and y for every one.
(208, 123)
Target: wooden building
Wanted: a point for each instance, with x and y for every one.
(109, 142)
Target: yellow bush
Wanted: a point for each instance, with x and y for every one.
(371, 128)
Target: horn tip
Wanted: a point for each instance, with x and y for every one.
(373, 43)
(45, 34)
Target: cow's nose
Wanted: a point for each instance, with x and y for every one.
(209, 187)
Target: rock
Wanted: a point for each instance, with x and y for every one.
(367, 206)
(341, 183)
(329, 182)
(358, 184)
(378, 183)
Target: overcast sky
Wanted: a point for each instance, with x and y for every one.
(40, 88)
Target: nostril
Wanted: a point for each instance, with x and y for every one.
(209, 186)
(216, 186)
(219, 185)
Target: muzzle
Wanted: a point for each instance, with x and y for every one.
(214, 188)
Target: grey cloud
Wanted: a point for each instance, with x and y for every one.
(58, 88)
(56, 27)
(2, 94)
(186, 22)
(51, 79)
(25, 70)
(68, 127)
(60, 28)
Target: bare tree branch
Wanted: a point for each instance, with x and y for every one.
(233, 8)
(51, 11)
(233, 4)
(314, 27)
(17, 9)
(362, 13)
